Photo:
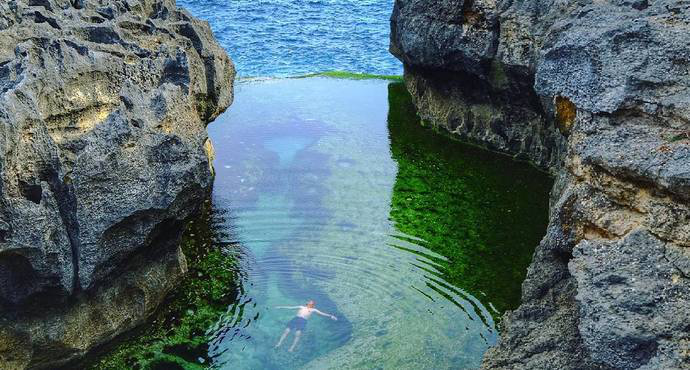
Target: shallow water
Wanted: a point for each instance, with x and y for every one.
(331, 190)
(415, 242)
(297, 37)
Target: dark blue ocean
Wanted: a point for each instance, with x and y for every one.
(280, 38)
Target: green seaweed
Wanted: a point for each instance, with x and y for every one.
(353, 76)
(177, 336)
(483, 213)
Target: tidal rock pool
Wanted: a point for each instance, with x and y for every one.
(331, 190)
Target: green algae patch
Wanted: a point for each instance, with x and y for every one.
(485, 214)
(177, 336)
(353, 76)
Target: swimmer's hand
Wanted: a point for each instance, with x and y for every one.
(334, 318)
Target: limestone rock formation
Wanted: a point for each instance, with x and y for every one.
(598, 92)
(103, 155)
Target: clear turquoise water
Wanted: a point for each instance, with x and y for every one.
(332, 200)
(297, 37)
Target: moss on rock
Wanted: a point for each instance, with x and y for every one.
(177, 337)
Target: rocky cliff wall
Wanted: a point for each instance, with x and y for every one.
(103, 155)
(598, 92)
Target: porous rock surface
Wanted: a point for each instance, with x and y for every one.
(598, 93)
(103, 155)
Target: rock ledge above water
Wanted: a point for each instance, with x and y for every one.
(597, 92)
(104, 154)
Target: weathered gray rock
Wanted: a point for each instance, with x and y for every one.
(618, 55)
(504, 117)
(449, 51)
(103, 152)
(631, 301)
(609, 115)
(455, 35)
(64, 333)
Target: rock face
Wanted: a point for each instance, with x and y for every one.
(103, 155)
(598, 92)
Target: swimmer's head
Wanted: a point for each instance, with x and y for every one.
(311, 304)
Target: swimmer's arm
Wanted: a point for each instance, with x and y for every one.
(289, 307)
(325, 314)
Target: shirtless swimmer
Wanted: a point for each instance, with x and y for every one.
(299, 322)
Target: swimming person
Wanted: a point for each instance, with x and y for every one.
(299, 322)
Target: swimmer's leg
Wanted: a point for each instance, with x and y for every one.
(282, 338)
(298, 333)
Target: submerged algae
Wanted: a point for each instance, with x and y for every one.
(484, 213)
(353, 76)
(177, 337)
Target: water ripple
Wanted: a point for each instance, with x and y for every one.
(320, 210)
(297, 37)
